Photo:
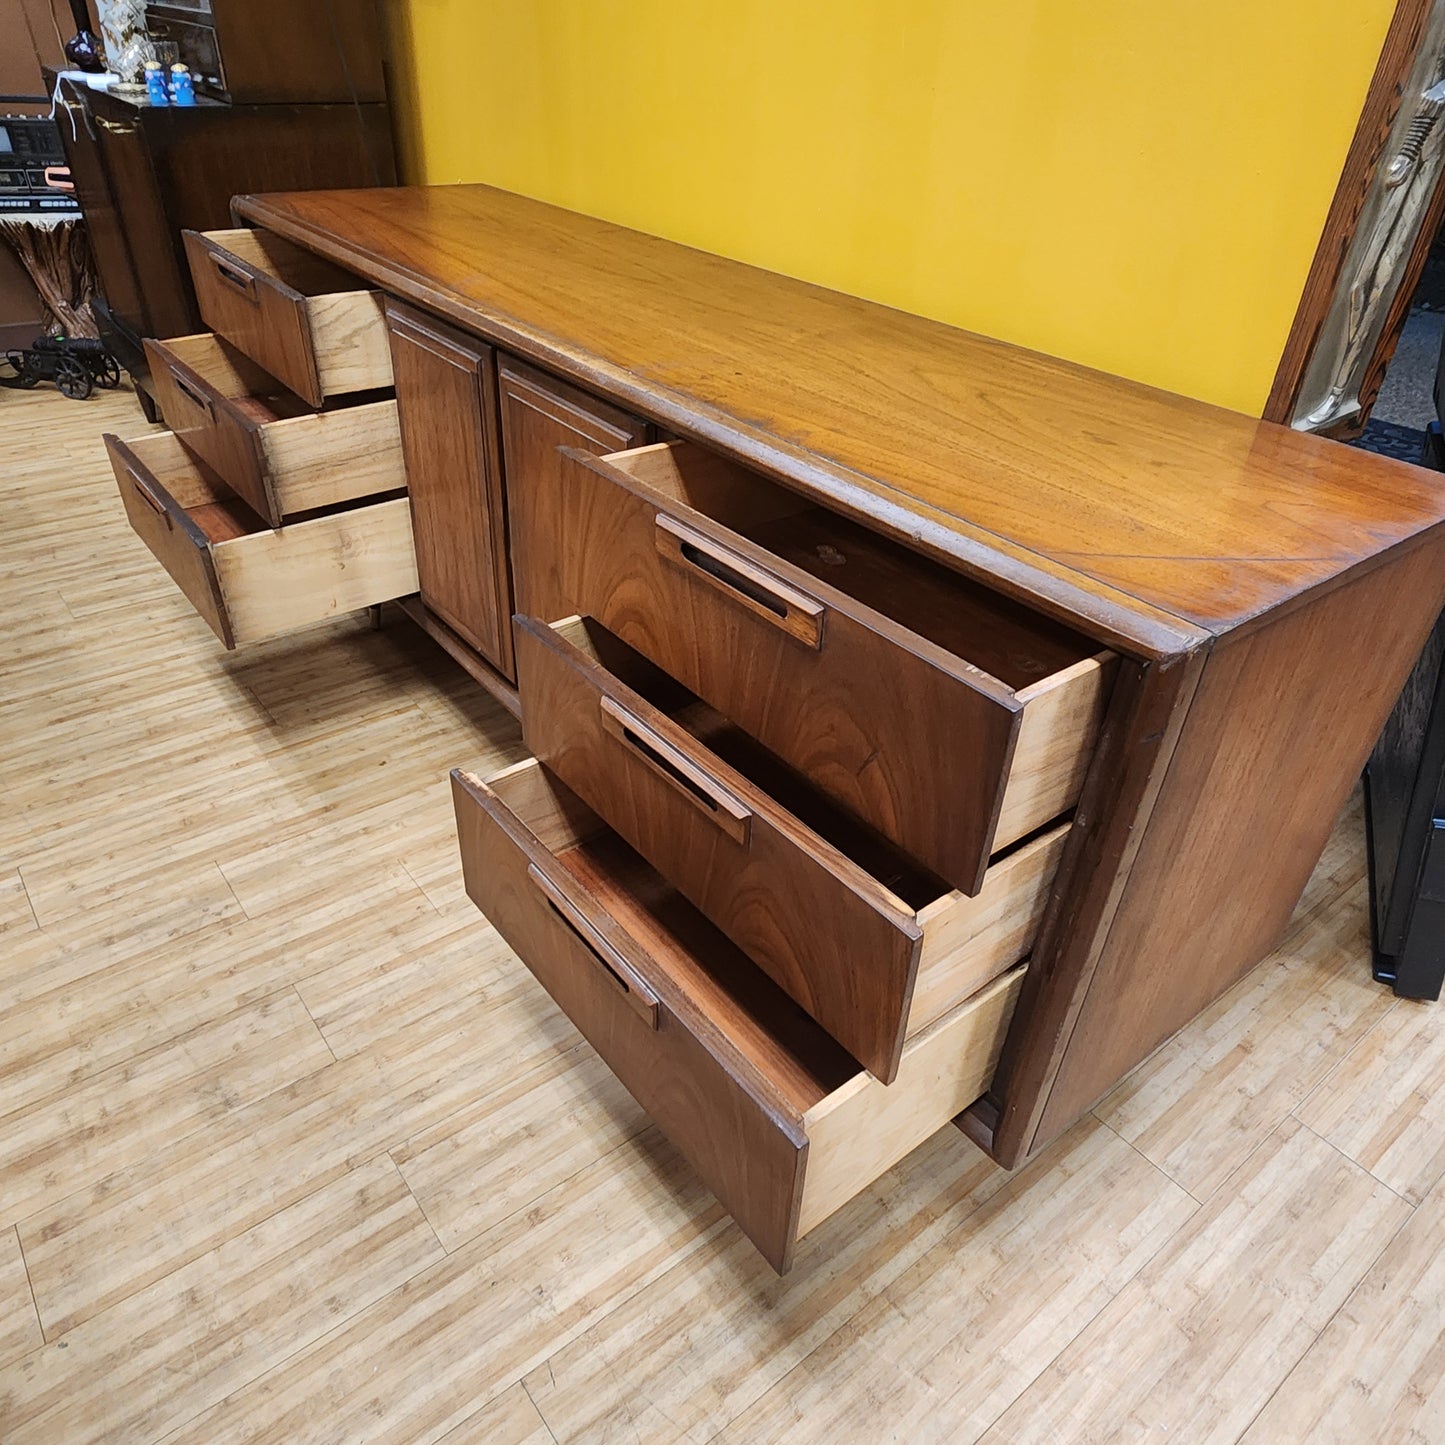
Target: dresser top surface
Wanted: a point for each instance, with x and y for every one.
(1156, 520)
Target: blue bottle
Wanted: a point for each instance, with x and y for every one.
(156, 84)
(183, 89)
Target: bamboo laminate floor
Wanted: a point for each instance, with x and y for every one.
(291, 1149)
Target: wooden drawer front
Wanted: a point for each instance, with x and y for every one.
(304, 320)
(770, 1111)
(248, 581)
(702, 567)
(871, 966)
(280, 457)
(540, 415)
(446, 391)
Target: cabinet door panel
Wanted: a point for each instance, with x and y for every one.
(446, 392)
(540, 414)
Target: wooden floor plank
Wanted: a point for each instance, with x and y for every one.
(1384, 1105)
(192, 1338)
(126, 1113)
(102, 1244)
(16, 914)
(19, 1323)
(955, 1338)
(1198, 1107)
(436, 1350)
(517, 1142)
(1378, 1370)
(1195, 1345)
(510, 1419)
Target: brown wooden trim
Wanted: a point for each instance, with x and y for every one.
(1374, 376)
(1382, 104)
(1145, 718)
(467, 658)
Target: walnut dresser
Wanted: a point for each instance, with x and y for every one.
(924, 729)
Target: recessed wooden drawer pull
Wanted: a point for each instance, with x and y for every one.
(640, 998)
(146, 495)
(713, 801)
(794, 612)
(234, 276)
(191, 392)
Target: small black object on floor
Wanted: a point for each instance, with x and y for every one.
(76, 364)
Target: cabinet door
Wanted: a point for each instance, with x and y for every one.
(540, 414)
(446, 396)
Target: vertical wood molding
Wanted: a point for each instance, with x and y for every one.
(1382, 105)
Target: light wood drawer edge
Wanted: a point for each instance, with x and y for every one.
(274, 581)
(348, 333)
(967, 941)
(1057, 735)
(334, 456)
(864, 1128)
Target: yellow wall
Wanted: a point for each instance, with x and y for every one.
(1136, 184)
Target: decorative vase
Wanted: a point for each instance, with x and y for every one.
(128, 45)
(83, 50)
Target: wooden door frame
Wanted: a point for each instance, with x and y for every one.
(1368, 151)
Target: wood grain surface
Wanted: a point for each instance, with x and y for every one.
(181, 837)
(877, 717)
(1149, 518)
(248, 581)
(818, 925)
(1366, 153)
(446, 397)
(540, 414)
(1272, 744)
(306, 322)
(832, 934)
(271, 449)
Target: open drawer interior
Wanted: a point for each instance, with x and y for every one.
(293, 267)
(248, 580)
(873, 943)
(1020, 648)
(215, 511)
(777, 1118)
(282, 456)
(318, 329)
(886, 678)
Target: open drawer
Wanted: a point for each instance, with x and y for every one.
(309, 323)
(276, 453)
(870, 944)
(772, 1113)
(948, 717)
(248, 581)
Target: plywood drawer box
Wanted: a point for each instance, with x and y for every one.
(889, 681)
(247, 580)
(772, 1113)
(872, 946)
(276, 453)
(310, 324)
